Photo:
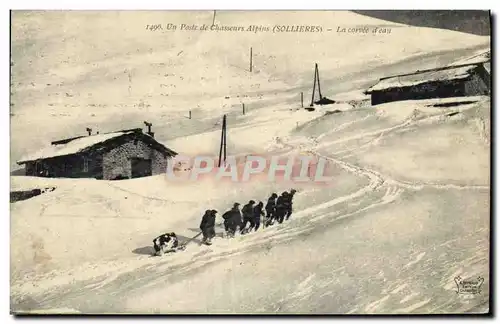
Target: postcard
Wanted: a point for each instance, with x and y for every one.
(250, 162)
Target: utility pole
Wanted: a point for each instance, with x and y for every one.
(223, 142)
(319, 87)
(302, 99)
(213, 20)
(316, 79)
(314, 88)
(225, 133)
(129, 83)
(251, 56)
(243, 106)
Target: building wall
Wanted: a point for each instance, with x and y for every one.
(66, 167)
(116, 163)
(29, 169)
(428, 90)
(476, 86)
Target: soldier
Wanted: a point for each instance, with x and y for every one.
(289, 203)
(232, 219)
(236, 219)
(247, 212)
(257, 213)
(281, 207)
(207, 226)
(270, 209)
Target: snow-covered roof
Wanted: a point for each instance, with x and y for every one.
(405, 80)
(478, 58)
(75, 146)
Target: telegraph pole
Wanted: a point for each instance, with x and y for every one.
(223, 142)
(319, 87)
(251, 57)
(314, 88)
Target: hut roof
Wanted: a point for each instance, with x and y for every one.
(81, 144)
(419, 77)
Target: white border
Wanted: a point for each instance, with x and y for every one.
(251, 5)
(181, 5)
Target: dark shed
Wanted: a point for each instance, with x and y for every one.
(450, 81)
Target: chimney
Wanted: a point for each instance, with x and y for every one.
(149, 132)
(89, 130)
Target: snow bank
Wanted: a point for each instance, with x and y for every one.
(403, 110)
(20, 183)
(435, 147)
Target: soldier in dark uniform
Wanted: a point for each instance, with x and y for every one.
(270, 209)
(232, 219)
(247, 212)
(289, 203)
(236, 219)
(257, 213)
(281, 207)
(207, 226)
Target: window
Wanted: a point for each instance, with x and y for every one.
(85, 165)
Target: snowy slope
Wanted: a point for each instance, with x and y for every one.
(408, 209)
(103, 258)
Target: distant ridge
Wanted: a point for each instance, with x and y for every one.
(475, 22)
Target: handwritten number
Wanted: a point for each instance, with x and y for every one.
(154, 27)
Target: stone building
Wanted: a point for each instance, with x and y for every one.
(444, 82)
(118, 155)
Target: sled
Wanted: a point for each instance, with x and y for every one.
(162, 247)
(179, 247)
(173, 250)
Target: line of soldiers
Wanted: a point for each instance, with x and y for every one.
(277, 209)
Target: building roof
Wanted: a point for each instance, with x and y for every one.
(411, 79)
(478, 58)
(82, 144)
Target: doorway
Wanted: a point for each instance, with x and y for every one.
(141, 167)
